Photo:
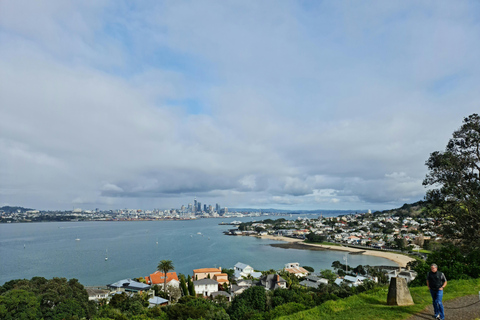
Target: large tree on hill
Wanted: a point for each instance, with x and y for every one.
(455, 174)
(165, 266)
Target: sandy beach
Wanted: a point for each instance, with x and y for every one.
(399, 259)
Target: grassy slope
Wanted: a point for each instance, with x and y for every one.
(372, 305)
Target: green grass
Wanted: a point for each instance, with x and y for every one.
(425, 251)
(373, 304)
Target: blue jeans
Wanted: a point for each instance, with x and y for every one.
(437, 296)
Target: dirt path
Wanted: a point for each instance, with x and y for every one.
(463, 308)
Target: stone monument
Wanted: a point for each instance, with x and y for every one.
(398, 293)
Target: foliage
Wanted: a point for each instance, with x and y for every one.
(132, 305)
(183, 285)
(308, 268)
(285, 309)
(251, 301)
(165, 266)
(19, 304)
(312, 237)
(298, 295)
(329, 275)
(191, 287)
(55, 299)
(456, 174)
(189, 307)
(451, 261)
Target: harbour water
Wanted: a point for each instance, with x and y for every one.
(78, 250)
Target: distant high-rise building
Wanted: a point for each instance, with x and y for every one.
(205, 207)
(199, 208)
(210, 208)
(195, 204)
(217, 207)
(190, 208)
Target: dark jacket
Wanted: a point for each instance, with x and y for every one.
(436, 280)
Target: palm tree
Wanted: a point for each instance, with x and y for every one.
(165, 266)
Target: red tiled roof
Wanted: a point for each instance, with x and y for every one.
(207, 270)
(159, 277)
(296, 270)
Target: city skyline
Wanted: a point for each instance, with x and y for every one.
(288, 105)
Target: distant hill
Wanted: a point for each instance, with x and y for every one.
(9, 209)
(416, 209)
(316, 211)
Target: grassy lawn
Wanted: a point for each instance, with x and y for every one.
(425, 251)
(373, 304)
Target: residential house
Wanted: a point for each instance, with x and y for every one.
(242, 270)
(96, 294)
(273, 281)
(294, 268)
(128, 285)
(157, 301)
(313, 281)
(159, 277)
(211, 273)
(221, 293)
(241, 286)
(354, 281)
(205, 287)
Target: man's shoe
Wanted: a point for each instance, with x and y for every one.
(438, 317)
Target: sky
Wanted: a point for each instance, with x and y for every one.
(258, 104)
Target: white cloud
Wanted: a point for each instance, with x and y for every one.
(265, 103)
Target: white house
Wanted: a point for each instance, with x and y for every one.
(205, 286)
(242, 270)
(355, 281)
(97, 294)
(294, 268)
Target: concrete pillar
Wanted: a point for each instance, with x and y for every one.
(398, 293)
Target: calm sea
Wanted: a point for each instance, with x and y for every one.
(135, 248)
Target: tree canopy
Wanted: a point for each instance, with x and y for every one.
(454, 174)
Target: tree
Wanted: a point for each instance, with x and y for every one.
(455, 173)
(183, 285)
(329, 275)
(191, 287)
(19, 304)
(165, 266)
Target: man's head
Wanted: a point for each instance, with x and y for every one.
(433, 267)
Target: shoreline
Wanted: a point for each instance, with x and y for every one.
(400, 259)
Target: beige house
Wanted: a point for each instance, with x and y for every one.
(210, 273)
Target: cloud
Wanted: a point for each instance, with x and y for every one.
(259, 104)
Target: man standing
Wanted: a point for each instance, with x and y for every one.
(436, 282)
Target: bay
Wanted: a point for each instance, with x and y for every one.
(135, 248)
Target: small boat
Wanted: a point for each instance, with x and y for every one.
(199, 233)
(106, 254)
